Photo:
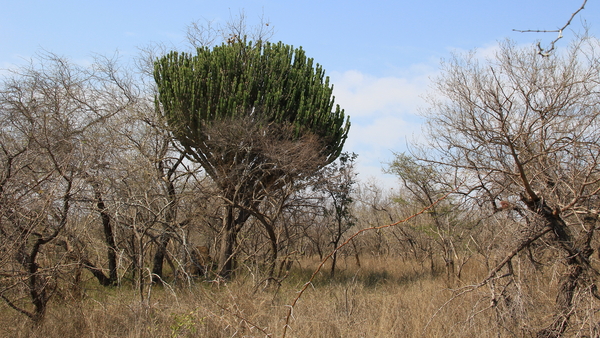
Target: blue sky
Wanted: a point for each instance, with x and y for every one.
(380, 55)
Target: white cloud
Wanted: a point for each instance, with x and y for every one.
(485, 52)
(381, 135)
(365, 95)
(383, 113)
(375, 142)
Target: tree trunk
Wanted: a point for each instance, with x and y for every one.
(576, 263)
(38, 294)
(97, 272)
(231, 227)
(333, 261)
(108, 237)
(36, 283)
(159, 257)
(274, 249)
(335, 242)
(228, 240)
(170, 218)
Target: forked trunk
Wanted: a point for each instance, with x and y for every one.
(231, 227)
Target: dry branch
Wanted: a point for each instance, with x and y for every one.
(546, 52)
(312, 277)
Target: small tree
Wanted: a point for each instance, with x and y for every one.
(264, 87)
(338, 184)
(424, 184)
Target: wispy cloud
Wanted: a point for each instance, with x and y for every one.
(384, 110)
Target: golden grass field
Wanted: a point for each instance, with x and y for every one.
(385, 297)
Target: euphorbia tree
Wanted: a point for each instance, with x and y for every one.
(241, 110)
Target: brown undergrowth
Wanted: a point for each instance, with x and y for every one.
(385, 297)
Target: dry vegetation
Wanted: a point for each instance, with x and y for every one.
(385, 297)
(107, 225)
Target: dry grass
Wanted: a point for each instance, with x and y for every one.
(384, 298)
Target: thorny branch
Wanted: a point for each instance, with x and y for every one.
(545, 52)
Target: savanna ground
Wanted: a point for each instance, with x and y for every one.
(385, 297)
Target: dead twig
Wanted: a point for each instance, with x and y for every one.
(545, 52)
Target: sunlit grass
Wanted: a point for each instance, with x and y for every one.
(385, 297)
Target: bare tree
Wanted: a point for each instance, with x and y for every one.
(523, 133)
(207, 33)
(337, 183)
(48, 113)
(422, 184)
